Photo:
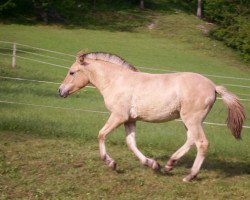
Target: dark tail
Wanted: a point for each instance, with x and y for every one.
(236, 114)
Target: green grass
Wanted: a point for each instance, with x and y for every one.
(48, 153)
(46, 168)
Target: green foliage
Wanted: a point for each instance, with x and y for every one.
(7, 5)
(233, 19)
(236, 35)
(95, 14)
(223, 12)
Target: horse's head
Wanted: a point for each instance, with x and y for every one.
(75, 79)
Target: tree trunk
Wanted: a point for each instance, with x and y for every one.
(44, 16)
(94, 4)
(141, 4)
(41, 12)
(199, 14)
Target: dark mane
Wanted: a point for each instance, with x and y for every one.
(108, 57)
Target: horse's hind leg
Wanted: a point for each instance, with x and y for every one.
(130, 139)
(193, 116)
(201, 143)
(179, 153)
(195, 134)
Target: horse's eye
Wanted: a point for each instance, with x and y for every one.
(71, 73)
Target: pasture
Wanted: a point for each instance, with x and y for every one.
(48, 145)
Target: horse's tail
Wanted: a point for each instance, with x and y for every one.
(236, 114)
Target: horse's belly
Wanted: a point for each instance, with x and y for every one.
(156, 112)
(161, 117)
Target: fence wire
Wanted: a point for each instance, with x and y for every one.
(69, 55)
(92, 111)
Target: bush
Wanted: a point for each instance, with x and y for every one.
(233, 18)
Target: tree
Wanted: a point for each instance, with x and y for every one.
(41, 9)
(199, 9)
(7, 5)
(142, 4)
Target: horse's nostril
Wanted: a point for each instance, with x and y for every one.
(60, 92)
(63, 92)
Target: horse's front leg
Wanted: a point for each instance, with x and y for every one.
(130, 139)
(113, 122)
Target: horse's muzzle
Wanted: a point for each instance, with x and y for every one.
(63, 92)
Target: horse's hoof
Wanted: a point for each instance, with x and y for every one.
(112, 164)
(188, 178)
(167, 169)
(153, 164)
(156, 166)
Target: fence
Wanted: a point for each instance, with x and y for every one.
(12, 52)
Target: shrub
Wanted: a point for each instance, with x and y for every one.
(233, 18)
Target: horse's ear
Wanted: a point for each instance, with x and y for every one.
(80, 57)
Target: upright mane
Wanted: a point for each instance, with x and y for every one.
(108, 57)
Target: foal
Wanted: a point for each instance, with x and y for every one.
(130, 96)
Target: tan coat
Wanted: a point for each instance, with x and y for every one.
(130, 95)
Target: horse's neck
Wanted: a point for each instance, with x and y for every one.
(102, 75)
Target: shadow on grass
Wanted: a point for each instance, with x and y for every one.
(111, 17)
(109, 20)
(227, 168)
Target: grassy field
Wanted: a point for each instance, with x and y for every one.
(52, 153)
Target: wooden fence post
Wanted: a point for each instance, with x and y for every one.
(14, 55)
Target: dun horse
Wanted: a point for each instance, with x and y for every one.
(130, 96)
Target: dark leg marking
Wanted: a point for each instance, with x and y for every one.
(109, 162)
(153, 164)
(170, 164)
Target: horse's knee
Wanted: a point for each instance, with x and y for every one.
(202, 146)
(101, 136)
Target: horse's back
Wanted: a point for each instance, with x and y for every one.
(182, 83)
